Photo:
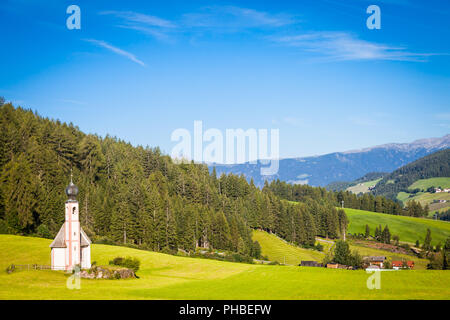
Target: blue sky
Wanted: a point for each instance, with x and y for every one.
(139, 70)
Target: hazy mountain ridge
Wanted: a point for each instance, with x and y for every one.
(427, 143)
(342, 166)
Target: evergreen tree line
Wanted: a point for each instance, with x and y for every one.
(366, 201)
(139, 196)
(444, 215)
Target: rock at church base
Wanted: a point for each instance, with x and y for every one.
(97, 272)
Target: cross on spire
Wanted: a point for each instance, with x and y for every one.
(71, 175)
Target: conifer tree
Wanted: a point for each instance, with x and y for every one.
(427, 242)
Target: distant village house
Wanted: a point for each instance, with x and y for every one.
(338, 266)
(374, 261)
(402, 264)
(311, 264)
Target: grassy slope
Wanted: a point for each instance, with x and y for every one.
(168, 277)
(278, 250)
(426, 197)
(409, 229)
(423, 184)
(363, 187)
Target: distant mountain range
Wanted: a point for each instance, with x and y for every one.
(341, 166)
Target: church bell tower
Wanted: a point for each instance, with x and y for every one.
(71, 246)
(72, 228)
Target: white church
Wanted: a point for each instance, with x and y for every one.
(71, 246)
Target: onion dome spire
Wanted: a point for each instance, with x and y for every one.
(72, 189)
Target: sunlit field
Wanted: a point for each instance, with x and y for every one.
(170, 277)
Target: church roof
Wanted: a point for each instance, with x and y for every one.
(59, 239)
(85, 241)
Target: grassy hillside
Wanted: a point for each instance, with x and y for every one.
(169, 277)
(424, 184)
(279, 250)
(409, 229)
(363, 187)
(427, 198)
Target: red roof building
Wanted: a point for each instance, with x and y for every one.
(401, 264)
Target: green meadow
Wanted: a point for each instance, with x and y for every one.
(423, 197)
(363, 187)
(424, 184)
(279, 250)
(409, 229)
(427, 198)
(171, 277)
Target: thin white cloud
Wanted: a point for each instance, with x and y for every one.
(232, 17)
(140, 18)
(150, 25)
(116, 50)
(344, 46)
(160, 35)
(215, 18)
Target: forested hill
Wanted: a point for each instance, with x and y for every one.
(431, 166)
(136, 195)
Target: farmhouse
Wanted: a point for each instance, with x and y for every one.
(338, 266)
(71, 246)
(311, 264)
(402, 264)
(374, 261)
